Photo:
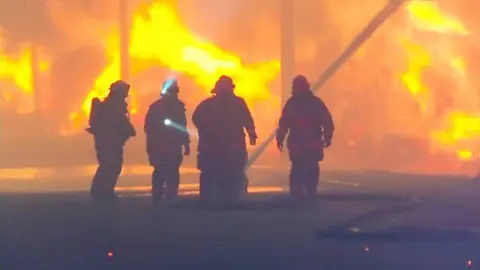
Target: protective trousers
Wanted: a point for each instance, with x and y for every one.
(166, 177)
(222, 176)
(304, 178)
(110, 162)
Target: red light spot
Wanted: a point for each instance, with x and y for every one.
(469, 263)
(110, 254)
(366, 249)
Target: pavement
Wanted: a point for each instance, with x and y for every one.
(360, 220)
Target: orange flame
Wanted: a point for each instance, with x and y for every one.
(162, 38)
(427, 16)
(18, 71)
(461, 128)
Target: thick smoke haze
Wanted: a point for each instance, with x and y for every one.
(376, 111)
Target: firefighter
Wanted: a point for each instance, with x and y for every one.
(167, 142)
(221, 121)
(310, 126)
(111, 128)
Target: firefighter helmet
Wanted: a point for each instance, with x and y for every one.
(300, 84)
(120, 87)
(170, 87)
(223, 85)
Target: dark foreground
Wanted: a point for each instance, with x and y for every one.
(400, 226)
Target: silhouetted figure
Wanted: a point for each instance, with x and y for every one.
(111, 128)
(221, 121)
(310, 126)
(167, 141)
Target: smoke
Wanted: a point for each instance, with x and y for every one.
(71, 75)
(25, 22)
(73, 34)
(366, 97)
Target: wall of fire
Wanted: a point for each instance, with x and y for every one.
(410, 86)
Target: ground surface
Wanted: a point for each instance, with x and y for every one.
(65, 230)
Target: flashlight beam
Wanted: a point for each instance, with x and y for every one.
(170, 123)
(167, 85)
(358, 41)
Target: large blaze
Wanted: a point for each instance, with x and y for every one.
(16, 77)
(427, 16)
(418, 59)
(455, 126)
(17, 71)
(101, 85)
(429, 70)
(160, 38)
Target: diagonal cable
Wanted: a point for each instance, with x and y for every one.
(358, 41)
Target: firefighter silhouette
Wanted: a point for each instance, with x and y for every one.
(309, 125)
(111, 128)
(166, 144)
(221, 121)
